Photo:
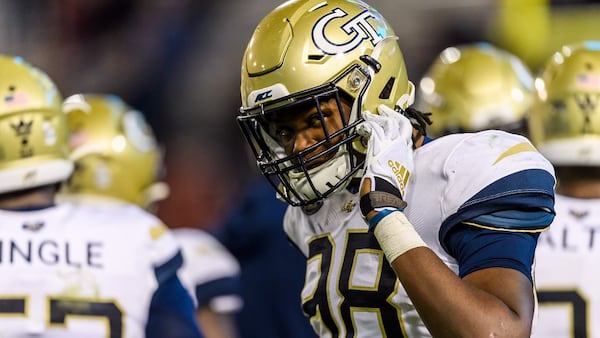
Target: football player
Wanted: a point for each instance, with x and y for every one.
(565, 127)
(476, 86)
(404, 235)
(67, 270)
(117, 161)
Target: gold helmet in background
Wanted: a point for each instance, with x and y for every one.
(33, 134)
(306, 52)
(565, 120)
(114, 150)
(476, 86)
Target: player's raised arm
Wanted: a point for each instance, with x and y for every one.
(486, 298)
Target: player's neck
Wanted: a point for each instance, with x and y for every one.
(40, 197)
(418, 142)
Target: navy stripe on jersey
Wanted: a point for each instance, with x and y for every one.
(521, 201)
(477, 249)
(169, 268)
(172, 312)
(226, 286)
(530, 181)
(530, 192)
(514, 219)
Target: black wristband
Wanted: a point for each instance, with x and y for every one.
(380, 199)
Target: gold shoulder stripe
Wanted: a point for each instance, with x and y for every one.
(517, 148)
(157, 231)
(477, 225)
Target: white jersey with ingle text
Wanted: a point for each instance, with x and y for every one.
(567, 272)
(76, 271)
(350, 289)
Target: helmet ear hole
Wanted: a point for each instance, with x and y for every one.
(387, 89)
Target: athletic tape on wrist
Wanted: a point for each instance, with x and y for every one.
(379, 216)
(396, 235)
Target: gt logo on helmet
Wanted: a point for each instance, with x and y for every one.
(358, 28)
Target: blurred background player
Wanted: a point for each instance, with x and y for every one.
(565, 127)
(212, 275)
(67, 270)
(476, 86)
(117, 161)
(272, 269)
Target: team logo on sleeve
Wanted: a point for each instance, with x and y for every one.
(357, 28)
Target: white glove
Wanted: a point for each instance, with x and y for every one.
(389, 156)
(389, 165)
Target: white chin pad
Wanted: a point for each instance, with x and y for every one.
(323, 177)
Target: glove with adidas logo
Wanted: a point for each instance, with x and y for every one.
(389, 161)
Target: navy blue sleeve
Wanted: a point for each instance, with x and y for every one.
(476, 248)
(172, 312)
(522, 201)
(226, 286)
(500, 225)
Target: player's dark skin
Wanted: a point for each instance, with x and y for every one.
(578, 181)
(39, 197)
(297, 129)
(491, 302)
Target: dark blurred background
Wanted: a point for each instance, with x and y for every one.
(178, 61)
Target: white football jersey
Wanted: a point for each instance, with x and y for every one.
(350, 289)
(77, 271)
(210, 272)
(567, 272)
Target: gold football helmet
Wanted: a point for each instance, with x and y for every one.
(565, 120)
(33, 134)
(114, 150)
(476, 86)
(306, 52)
